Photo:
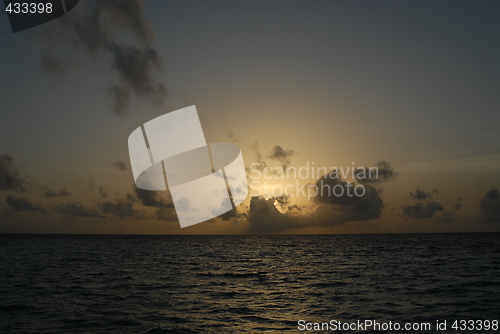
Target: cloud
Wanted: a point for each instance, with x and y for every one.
(421, 195)
(490, 205)
(47, 192)
(382, 171)
(277, 153)
(102, 192)
(330, 207)
(9, 174)
(233, 215)
(122, 207)
(152, 198)
(445, 218)
(282, 155)
(421, 210)
(233, 137)
(459, 204)
(134, 66)
(21, 204)
(264, 217)
(119, 165)
(260, 164)
(166, 214)
(53, 64)
(116, 31)
(77, 209)
(333, 191)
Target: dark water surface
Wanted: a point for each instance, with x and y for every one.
(242, 284)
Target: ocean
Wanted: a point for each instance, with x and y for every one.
(247, 284)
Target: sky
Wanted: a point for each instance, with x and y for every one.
(409, 87)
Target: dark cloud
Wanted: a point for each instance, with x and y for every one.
(53, 64)
(421, 210)
(233, 215)
(382, 171)
(9, 174)
(134, 66)
(122, 207)
(264, 217)
(21, 204)
(331, 207)
(294, 208)
(333, 191)
(280, 154)
(421, 195)
(277, 153)
(235, 138)
(121, 99)
(283, 201)
(47, 192)
(459, 204)
(95, 30)
(259, 164)
(152, 198)
(445, 218)
(120, 165)
(77, 209)
(166, 214)
(85, 184)
(102, 192)
(490, 205)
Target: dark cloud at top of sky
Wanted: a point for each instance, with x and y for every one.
(383, 172)
(93, 29)
(421, 210)
(282, 155)
(48, 192)
(9, 174)
(77, 209)
(421, 195)
(21, 204)
(119, 165)
(490, 205)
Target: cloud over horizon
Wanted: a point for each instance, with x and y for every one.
(9, 175)
(490, 205)
(77, 209)
(421, 210)
(334, 202)
(21, 204)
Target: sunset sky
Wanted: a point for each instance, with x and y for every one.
(410, 86)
